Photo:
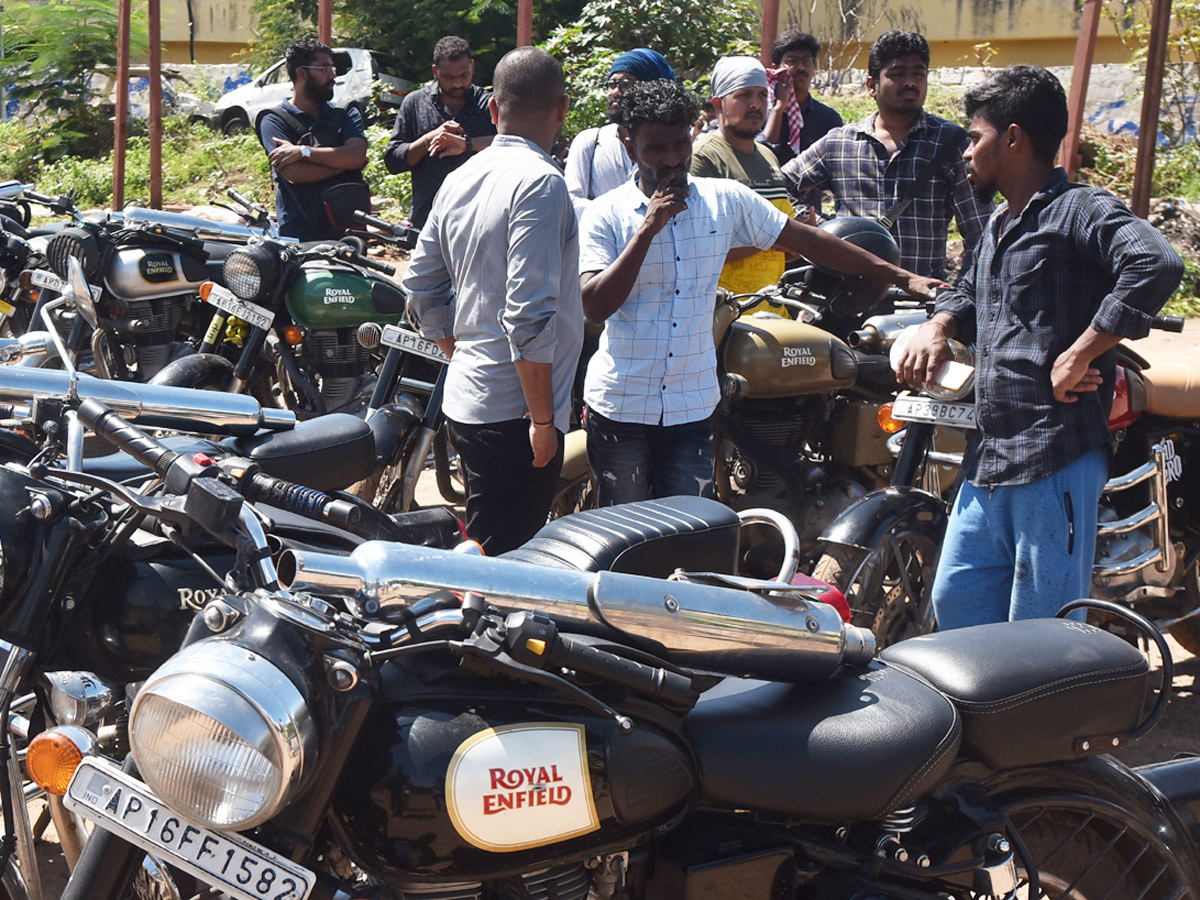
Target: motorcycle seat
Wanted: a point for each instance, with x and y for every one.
(327, 453)
(1172, 384)
(650, 537)
(850, 748)
(1034, 691)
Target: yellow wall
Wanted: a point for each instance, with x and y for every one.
(222, 29)
(1040, 32)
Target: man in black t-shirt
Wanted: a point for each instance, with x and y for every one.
(300, 166)
(440, 126)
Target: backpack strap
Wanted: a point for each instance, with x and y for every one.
(288, 119)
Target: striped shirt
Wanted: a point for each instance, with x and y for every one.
(1074, 257)
(866, 181)
(657, 364)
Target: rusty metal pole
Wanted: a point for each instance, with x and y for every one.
(1156, 58)
(524, 23)
(154, 26)
(325, 22)
(770, 30)
(1085, 50)
(121, 123)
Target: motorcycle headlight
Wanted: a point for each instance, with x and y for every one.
(221, 735)
(250, 272)
(956, 379)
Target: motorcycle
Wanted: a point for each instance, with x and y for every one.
(802, 388)
(287, 323)
(145, 267)
(882, 551)
(415, 722)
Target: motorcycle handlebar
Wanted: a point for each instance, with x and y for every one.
(60, 204)
(127, 437)
(405, 235)
(368, 263)
(1168, 323)
(648, 681)
(301, 500)
(238, 197)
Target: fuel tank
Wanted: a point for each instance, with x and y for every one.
(482, 777)
(783, 358)
(136, 273)
(323, 298)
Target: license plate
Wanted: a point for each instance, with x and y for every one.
(224, 300)
(924, 409)
(411, 342)
(51, 282)
(119, 803)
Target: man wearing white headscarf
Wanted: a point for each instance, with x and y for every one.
(739, 89)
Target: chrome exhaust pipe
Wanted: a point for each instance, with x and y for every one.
(154, 405)
(717, 628)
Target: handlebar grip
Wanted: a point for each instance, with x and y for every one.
(1168, 323)
(649, 681)
(125, 436)
(368, 263)
(303, 501)
(235, 194)
(368, 219)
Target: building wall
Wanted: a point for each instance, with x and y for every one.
(220, 30)
(1040, 32)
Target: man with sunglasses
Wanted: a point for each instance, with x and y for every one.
(309, 142)
(597, 161)
(440, 126)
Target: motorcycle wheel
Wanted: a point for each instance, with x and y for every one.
(1187, 632)
(1090, 850)
(887, 586)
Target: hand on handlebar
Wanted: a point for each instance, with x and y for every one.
(925, 288)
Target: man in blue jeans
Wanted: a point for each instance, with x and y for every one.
(1061, 274)
(651, 252)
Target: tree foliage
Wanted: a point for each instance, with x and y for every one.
(691, 34)
(1180, 113)
(408, 29)
(50, 52)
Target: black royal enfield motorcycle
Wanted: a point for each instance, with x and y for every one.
(408, 721)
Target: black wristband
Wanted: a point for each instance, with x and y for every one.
(467, 138)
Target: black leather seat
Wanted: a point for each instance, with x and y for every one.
(651, 537)
(847, 749)
(327, 453)
(1034, 691)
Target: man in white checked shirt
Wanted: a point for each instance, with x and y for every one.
(651, 252)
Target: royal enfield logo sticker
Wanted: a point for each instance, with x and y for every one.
(339, 295)
(798, 356)
(157, 267)
(521, 786)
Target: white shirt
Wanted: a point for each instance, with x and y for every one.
(596, 163)
(657, 363)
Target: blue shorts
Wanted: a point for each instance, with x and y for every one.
(1020, 551)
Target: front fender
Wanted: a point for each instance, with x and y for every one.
(866, 521)
(198, 370)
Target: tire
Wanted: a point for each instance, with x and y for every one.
(1089, 850)
(235, 123)
(887, 587)
(1187, 632)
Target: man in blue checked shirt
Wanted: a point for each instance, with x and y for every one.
(651, 252)
(899, 164)
(1062, 273)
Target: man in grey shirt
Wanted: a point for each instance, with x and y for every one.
(495, 281)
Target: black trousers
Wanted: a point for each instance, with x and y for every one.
(507, 498)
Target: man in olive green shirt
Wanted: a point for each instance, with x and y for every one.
(739, 86)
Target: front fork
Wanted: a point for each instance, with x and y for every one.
(15, 662)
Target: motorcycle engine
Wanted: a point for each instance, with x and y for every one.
(339, 359)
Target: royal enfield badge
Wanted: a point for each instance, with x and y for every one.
(521, 786)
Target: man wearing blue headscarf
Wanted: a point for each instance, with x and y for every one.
(598, 161)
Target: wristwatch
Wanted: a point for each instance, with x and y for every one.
(305, 152)
(467, 138)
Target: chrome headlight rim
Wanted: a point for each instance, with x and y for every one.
(960, 354)
(242, 691)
